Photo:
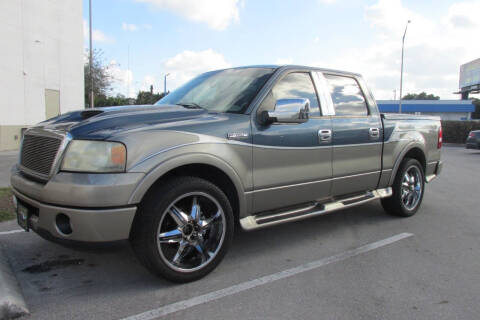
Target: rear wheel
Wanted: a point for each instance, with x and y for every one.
(408, 188)
(184, 229)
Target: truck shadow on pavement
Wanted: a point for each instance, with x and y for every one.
(50, 270)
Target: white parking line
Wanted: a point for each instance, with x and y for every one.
(11, 231)
(215, 295)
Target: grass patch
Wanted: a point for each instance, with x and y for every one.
(7, 212)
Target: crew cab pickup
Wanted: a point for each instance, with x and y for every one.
(247, 147)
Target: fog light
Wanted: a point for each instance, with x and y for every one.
(63, 224)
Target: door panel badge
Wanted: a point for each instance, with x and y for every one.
(237, 135)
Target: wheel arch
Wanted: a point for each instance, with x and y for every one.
(414, 151)
(203, 166)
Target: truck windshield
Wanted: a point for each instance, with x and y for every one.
(230, 90)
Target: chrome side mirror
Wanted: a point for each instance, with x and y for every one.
(287, 111)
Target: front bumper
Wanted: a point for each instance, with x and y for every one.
(97, 205)
(87, 225)
(471, 145)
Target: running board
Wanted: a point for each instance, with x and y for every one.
(256, 222)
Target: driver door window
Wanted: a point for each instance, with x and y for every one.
(293, 85)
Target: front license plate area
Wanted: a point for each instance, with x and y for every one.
(23, 215)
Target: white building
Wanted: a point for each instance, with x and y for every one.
(41, 65)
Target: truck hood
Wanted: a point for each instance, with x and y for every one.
(101, 123)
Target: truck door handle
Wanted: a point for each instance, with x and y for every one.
(374, 132)
(325, 136)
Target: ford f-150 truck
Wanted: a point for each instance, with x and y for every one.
(247, 147)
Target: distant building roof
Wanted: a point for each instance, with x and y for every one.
(427, 106)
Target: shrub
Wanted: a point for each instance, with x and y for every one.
(457, 131)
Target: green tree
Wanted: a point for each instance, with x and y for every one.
(420, 96)
(102, 79)
(148, 97)
(110, 101)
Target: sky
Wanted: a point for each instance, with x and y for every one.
(142, 40)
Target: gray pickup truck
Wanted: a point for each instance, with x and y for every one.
(247, 147)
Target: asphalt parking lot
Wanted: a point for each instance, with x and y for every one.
(431, 272)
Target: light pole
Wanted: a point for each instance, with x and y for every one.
(401, 69)
(91, 55)
(165, 84)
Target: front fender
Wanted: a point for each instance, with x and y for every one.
(187, 159)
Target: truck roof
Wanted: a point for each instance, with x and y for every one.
(292, 66)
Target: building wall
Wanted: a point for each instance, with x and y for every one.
(446, 115)
(446, 109)
(451, 115)
(42, 53)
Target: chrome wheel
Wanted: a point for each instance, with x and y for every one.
(411, 188)
(191, 232)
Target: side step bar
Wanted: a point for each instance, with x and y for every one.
(257, 222)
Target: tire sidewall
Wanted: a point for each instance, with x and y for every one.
(406, 164)
(156, 207)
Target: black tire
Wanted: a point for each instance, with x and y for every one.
(153, 210)
(395, 205)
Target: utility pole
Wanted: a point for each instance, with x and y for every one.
(92, 98)
(165, 84)
(401, 69)
(128, 72)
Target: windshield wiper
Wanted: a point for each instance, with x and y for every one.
(190, 105)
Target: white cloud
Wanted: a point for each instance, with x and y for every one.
(181, 68)
(327, 1)
(218, 14)
(149, 80)
(188, 64)
(464, 15)
(123, 79)
(129, 26)
(434, 49)
(282, 61)
(97, 35)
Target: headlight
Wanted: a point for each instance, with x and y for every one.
(95, 156)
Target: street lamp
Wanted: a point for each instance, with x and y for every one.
(165, 84)
(401, 69)
(91, 55)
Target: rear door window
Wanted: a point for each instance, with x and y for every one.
(347, 97)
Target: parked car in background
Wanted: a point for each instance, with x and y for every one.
(473, 140)
(250, 147)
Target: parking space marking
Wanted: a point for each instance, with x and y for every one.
(215, 295)
(11, 231)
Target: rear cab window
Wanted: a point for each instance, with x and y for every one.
(347, 97)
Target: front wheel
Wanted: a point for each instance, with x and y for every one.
(184, 229)
(408, 189)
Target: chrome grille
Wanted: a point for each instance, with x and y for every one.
(38, 153)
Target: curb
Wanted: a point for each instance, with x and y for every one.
(12, 303)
